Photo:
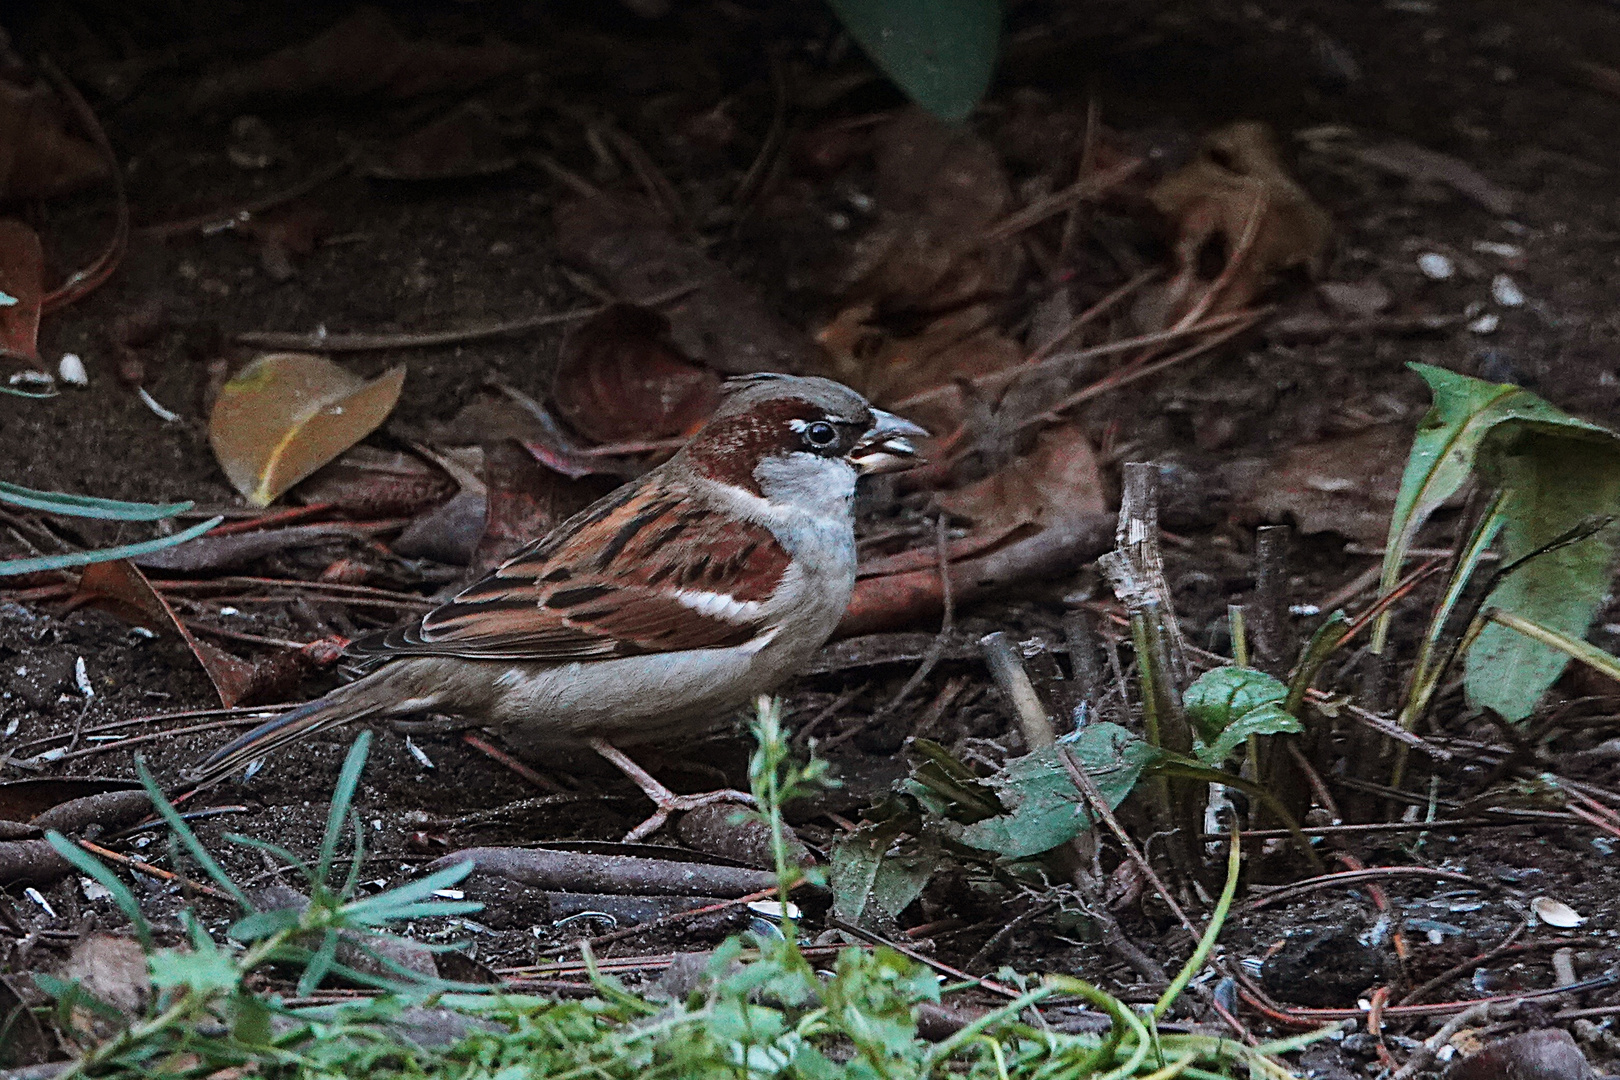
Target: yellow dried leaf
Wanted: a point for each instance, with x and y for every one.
(287, 414)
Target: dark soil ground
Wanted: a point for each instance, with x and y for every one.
(1490, 83)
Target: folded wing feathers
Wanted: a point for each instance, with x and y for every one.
(617, 586)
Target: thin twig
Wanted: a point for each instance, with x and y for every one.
(1355, 877)
(667, 920)
(1126, 375)
(220, 220)
(137, 740)
(153, 871)
(484, 746)
(82, 282)
(1091, 314)
(1056, 203)
(1425, 1053)
(927, 961)
(1099, 806)
(362, 342)
(1466, 966)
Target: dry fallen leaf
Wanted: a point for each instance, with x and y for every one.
(715, 319)
(621, 378)
(119, 587)
(1345, 485)
(939, 188)
(22, 283)
(38, 158)
(1058, 480)
(364, 54)
(369, 483)
(524, 500)
(1237, 185)
(466, 142)
(287, 414)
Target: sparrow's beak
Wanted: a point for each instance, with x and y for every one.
(887, 447)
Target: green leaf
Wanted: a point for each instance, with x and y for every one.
(13, 567)
(374, 910)
(182, 832)
(1218, 698)
(57, 502)
(1552, 478)
(263, 924)
(250, 1020)
(342, 799)
(941, 53)
(320, 965)
(1553, 471)
(1448, 439)
(205, 971)
(1046, 808)
(1441, 458)
(949, 788)
(89, 865)
(1268, 719)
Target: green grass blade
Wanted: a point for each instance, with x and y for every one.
(93, 867)
(13, 567)
(375, 907)
(342, 799)
(1206, 944)
(183, 833)
(57, 502)
(1590, 655)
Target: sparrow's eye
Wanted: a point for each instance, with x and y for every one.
(820, 433)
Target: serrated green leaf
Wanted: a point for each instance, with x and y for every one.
(1046, 808)
(1217, 698)
(1267, 719)
(1552, 478)
(941, 53)
(205, 971)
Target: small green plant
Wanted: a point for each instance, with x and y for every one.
(1555, 487)
(764, 1012)
(85, 506)
(202, 987)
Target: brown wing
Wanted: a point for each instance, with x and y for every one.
(634, 574)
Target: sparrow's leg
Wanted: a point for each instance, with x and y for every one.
(666, 800)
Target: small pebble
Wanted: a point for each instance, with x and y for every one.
(1505, 292)
(70, 369)
(1436, 267)
(1485, 324)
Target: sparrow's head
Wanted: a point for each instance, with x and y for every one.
(786, 429)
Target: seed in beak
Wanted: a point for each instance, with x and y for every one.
(887, 446)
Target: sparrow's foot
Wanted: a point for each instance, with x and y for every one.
(666, 800)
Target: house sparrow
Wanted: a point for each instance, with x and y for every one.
(645, 616)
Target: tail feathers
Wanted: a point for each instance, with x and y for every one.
(338, 707)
